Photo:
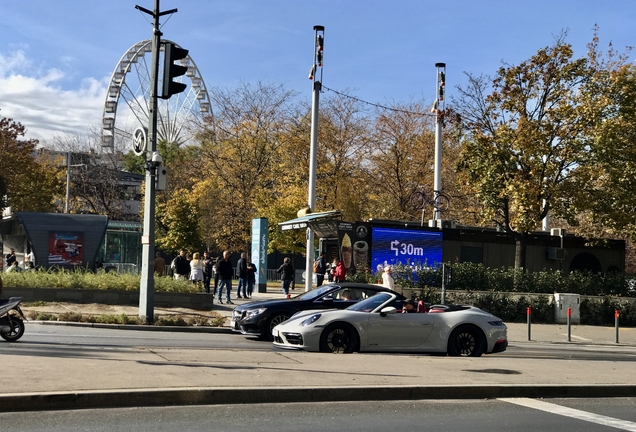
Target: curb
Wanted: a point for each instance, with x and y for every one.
(177, 329)
(224, 396)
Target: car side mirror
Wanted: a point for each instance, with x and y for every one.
(387, 310)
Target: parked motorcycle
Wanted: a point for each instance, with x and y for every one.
(11, 319)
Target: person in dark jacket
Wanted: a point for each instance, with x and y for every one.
(181, 266)
(225, 271)
(287, 274)
(322, 269)
(241, 268)
(251, 278)
(208, 263)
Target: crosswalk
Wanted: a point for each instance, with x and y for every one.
(572, 413)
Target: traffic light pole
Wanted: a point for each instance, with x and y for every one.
(147, 284)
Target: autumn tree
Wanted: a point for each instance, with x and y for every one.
(401, 161)
(97, 177)
(525, 136)
(27, 183)
(241, 149)
(344, 144)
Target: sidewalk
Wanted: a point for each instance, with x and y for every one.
(122, 377)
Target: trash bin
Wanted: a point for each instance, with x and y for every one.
(561, 304)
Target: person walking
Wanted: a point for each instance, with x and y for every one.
(208, 264)
(251, 278)
(340, 273)
(196, 270)
(286, 270)
(332, 270)
(321, 268)
(241, 268)
(181, 266)
(160, 265)
(11, 258)
(225, 272)
(387, 278)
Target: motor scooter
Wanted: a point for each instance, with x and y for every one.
(11, 319)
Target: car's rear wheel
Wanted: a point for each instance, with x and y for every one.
(339, 338)
(273, 322)
(466, 341)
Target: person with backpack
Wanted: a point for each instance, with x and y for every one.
(320, 268)
(286, 272)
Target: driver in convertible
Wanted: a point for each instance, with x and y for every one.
(408, 306)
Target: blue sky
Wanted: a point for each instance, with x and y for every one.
(56, 57)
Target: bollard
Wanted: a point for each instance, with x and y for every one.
(569, 324)
(616, 315)
(529, 313)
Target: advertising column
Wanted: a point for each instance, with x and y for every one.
(259, 252)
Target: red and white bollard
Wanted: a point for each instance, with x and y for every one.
(616, 315)
(569, 324)
(529, 314)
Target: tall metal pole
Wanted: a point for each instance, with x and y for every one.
(313, 149)
(68, 181)
(147, 284)
(439, 110)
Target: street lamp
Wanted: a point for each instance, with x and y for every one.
(316, 68)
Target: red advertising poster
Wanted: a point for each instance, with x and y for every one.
(66, 248)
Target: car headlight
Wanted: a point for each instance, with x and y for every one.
(312, 319)
(496, 323)
(254, 312)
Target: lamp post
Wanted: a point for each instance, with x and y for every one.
(319, 39)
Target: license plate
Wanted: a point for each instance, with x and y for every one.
(234, 325)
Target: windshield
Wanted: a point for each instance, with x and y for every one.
(371, 303)
(318, 292)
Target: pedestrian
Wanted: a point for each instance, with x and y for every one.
(160, 265)
(11, 258)
(321, 268)
(208, 264)
(340, 272)
(251, 278)
(181, 266)
(332, 270)
(387, 278)
(196, 270)
(225, 272)
(14, 267)
(29, 258)
(241, 268)
(286, 270)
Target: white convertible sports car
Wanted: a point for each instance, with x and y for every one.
(375, 325)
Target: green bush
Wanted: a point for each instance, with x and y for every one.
(86, 279)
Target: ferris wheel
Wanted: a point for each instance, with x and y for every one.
(128, 100)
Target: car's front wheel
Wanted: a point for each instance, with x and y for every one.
(273, 322)
(339, 338)
(466, 341)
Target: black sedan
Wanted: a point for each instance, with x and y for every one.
(260, 317)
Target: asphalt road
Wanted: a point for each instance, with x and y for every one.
(49, 339)
(549, 415)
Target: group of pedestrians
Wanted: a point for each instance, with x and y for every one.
(205, 270)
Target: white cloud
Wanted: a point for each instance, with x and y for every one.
(35, 99)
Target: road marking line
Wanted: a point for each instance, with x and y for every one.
(574, 413)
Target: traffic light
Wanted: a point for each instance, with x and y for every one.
(171, 70)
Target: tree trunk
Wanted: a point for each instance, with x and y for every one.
(521, 241)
